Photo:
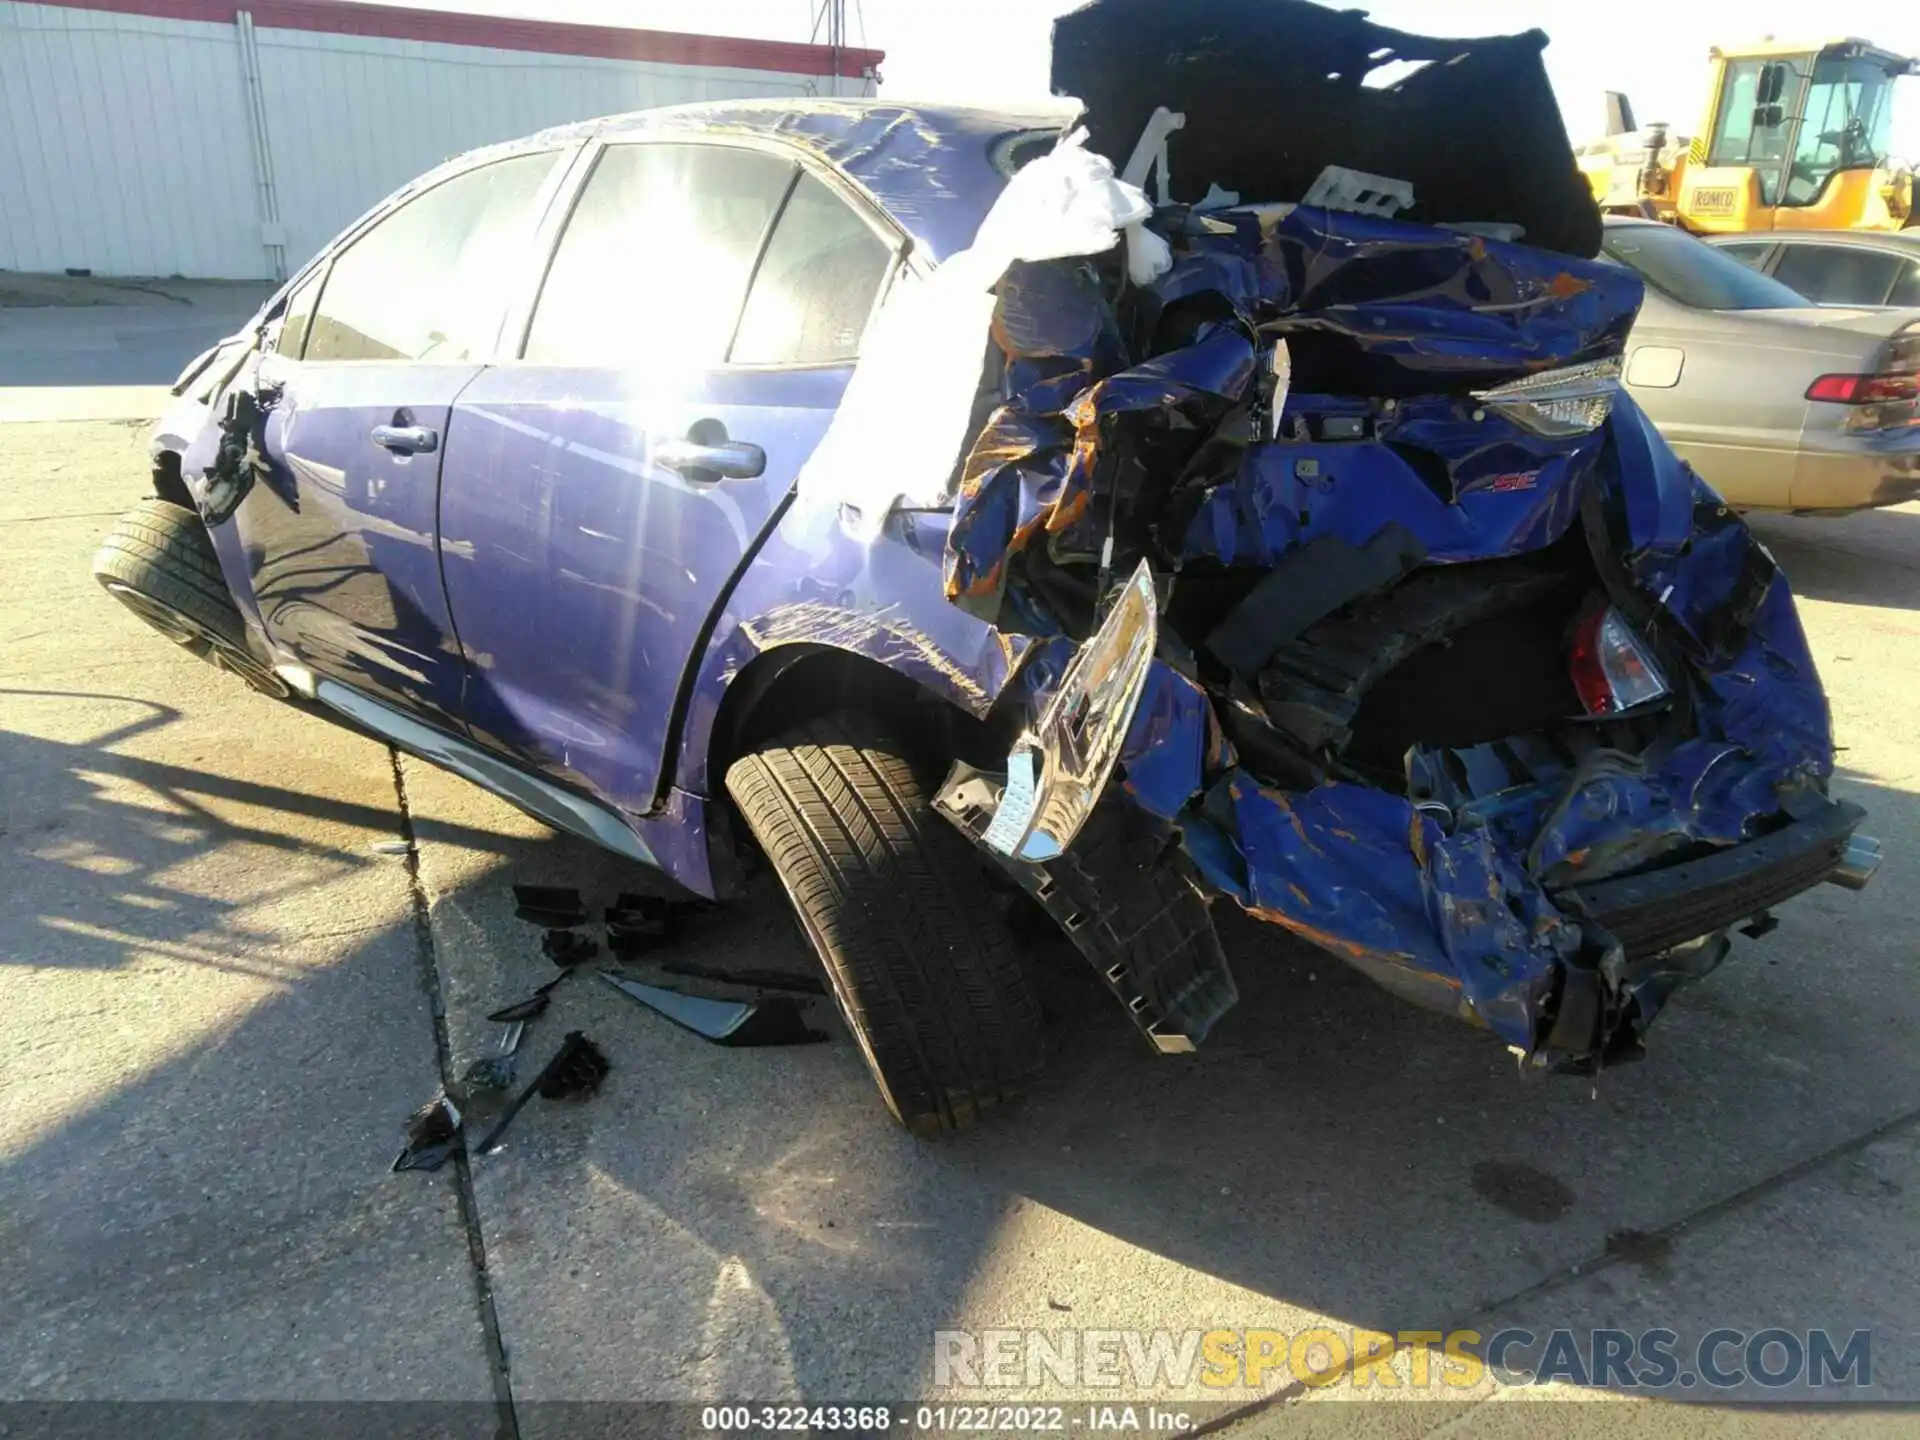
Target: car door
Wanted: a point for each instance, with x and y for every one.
(694, 331)
(1837, 274)
(373, 349)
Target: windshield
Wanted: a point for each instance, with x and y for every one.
(1682, 268)
(1848, 123)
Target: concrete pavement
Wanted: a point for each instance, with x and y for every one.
(215, 1009)
(224, 1001)
(77, 348)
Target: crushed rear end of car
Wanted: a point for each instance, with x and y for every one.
(1358, 593)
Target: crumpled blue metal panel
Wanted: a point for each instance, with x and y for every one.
(1406, 306)
(1510, 491)
(1430, 300)
(1463, 922)
(1172, 455)
(1173, 744)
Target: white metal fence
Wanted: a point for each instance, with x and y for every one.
(137, 145)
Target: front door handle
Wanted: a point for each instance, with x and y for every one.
(406, 439)
(721, 460)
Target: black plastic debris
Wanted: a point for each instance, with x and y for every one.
(574, 1073)
(530, 1008)
(432, 1133)
(567, 949)
(495, 1072)
(753, 978)
(638, 922)
(552, 907)
(238, 460)
(737, 1024)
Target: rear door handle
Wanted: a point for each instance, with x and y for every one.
(406, 439)
(722, 460)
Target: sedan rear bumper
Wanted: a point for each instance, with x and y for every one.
(1658, 909)
(1839, 471)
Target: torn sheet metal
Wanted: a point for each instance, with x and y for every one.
(1377, 317)
(901, 427)
(240, 454)
(737, 1024)
(1320, 525)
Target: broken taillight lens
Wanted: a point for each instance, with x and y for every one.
(1613, 669)
(1057, 770)
(1570, 401)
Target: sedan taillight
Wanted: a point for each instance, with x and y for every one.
(1613, 670)
(1886, 399)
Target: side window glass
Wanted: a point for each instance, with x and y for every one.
(1750, 256)
(816, 285)
(656, 255)
(1907, 291)
(1832, 275)
(298, 315)
(429, 281)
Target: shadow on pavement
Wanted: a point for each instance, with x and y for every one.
(749, 1224)
(94, 836)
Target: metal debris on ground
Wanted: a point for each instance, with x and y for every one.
(534, 1005)
(574, 1073)
(433, 1131)
(495, 1071)
(737, 1024)
(551, 907)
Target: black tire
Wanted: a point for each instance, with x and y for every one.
(159, 563)
(910, 933)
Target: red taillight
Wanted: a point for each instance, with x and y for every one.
(1612, 669)
(1864, 389)
(1839, 389)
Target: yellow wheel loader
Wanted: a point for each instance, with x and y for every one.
(1796, 138)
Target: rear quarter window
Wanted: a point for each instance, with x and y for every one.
(816, 284)
(1694, 272)
(1907, 291)
(1838, 274)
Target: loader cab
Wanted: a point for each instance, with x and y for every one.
(1799, 138)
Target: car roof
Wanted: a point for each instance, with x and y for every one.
(931, 166)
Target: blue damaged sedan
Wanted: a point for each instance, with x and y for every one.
(787, 480)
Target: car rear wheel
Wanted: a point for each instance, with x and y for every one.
(914, 942)
(159, 563)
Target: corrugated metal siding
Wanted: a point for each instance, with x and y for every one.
(353, 118)
(127, 148)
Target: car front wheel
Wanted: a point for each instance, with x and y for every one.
(159, 563)
(913, 939)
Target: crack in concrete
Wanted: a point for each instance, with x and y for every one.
(462, 1169)
(1597, 1263)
